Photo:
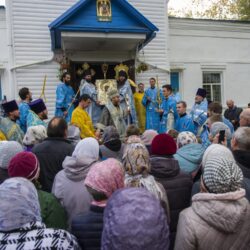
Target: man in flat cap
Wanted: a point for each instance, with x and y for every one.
(37, 114)
(8, 125)
(200, 107)
(113, 114)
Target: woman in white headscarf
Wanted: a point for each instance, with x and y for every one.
(21, 224)
(68, 185)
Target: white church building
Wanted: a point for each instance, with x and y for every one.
(38, 38)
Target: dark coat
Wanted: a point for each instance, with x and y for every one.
(242, 158)
(88, 227)
(177, 184)
(51, 154)
(3, 175)
(233, 115)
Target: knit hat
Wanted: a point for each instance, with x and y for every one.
(34, 135)
(185, 138)
(217, 127)
(37, 106)
(113, 93)
(134, 219)
(10, 106)
(8, 149)
(216, 150)
(148, 136)
(24, 164)
(201, 92)
(163, 144)
(222, 175)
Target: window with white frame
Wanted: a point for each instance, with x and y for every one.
(212, 84)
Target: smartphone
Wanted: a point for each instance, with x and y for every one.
(221, 136)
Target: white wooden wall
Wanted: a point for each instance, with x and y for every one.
(29, 20)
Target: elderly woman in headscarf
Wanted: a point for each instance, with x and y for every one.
(135, 220)
(189, 153)
(112, 145)
(8, 149)
(33, 136)
(147, 138)
(68, 185)
(136, 162)
(26, 165)
(219, 217)
(21, 224)
(102, 180)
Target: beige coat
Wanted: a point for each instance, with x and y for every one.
(215, 222)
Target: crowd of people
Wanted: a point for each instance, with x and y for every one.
(136, 173)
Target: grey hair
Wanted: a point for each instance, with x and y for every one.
(242, 137)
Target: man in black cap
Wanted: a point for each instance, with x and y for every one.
(8, 125)
(37, 113)
(87, 87)
(200, 106)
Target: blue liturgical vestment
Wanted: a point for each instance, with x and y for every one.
(168, 105)
(23, 110)
(34, 120)
(152, 117)
(126, 92)
(197, 110)
(184, 123)
(94, 110)
(64, 97)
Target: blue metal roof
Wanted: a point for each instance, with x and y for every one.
(82, 18)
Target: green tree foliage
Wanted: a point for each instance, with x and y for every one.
(216, 9)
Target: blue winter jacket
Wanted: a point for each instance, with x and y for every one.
(189, 157)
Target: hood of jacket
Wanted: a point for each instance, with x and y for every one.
(225, 212)
(77, 169)
(164, 167)
(190, 156)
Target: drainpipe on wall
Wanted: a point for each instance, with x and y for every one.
(10, 76)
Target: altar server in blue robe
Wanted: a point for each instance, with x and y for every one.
(168, 110)
(151, 103)
(26, 98)
(87, 87)
(64, 98)
(184, 121)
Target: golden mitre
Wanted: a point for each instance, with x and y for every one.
(120, 67)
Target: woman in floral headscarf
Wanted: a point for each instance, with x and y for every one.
(102, 180)
(136, 162)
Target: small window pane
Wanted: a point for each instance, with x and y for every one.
(217, 93)
(212, 84)
(208, 89)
